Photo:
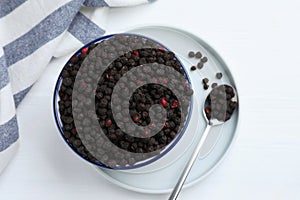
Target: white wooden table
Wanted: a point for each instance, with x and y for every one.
(260, 42)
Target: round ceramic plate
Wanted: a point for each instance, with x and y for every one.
(162, 175)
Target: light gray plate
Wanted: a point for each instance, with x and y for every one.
(162, 175)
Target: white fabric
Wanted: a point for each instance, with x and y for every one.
(7, 105)
(119, 3)
(24, 73)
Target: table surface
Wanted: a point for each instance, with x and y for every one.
(260, 42)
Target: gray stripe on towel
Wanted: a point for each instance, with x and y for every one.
(95, 3)
(21, 95)
(9, 133)
(4, 79)
(84, 29)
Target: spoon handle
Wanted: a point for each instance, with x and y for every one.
(189, 165)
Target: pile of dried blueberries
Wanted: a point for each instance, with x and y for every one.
(220, 103)
(95, 71)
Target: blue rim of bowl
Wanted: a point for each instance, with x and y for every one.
(140, 163)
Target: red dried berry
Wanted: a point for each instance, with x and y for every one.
(161, 48)
(147, 132)
(84, 50)
(136, 53)
(136, 118)
(207, 110)
(107, 76)
(74, 131)
(165, 80)
(164, 102)
(174, 104)
(166, 124)
(186, 84)
(193, 68)
(73, 59)
(108, 122)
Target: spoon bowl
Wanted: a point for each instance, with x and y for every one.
(212, 102)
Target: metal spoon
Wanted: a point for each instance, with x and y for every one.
(212, 118)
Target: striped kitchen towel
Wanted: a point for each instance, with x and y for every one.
(32, 32)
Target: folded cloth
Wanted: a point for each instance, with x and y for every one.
(32, 32)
